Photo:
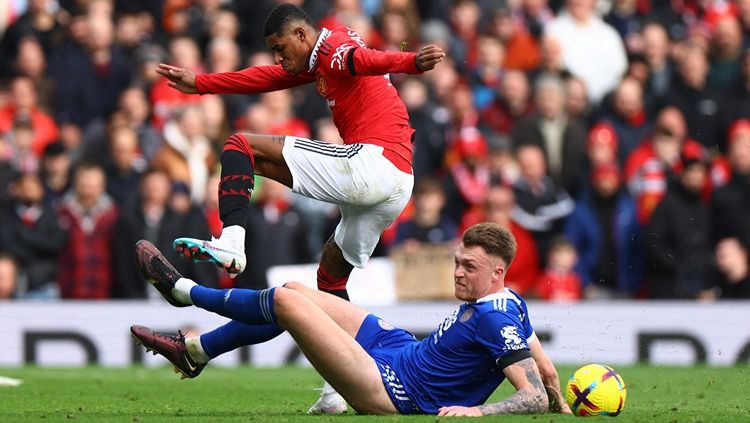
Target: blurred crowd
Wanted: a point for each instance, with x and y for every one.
(612, 137)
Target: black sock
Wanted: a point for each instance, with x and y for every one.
(235, 188)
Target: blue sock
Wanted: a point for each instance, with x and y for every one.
(234, 335)
(245, 305)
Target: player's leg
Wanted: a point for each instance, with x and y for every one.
(326, 340)
(243, 156)
(333, 270)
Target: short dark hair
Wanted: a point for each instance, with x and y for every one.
(281, 16)
(496, 240)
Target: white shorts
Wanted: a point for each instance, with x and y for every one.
(370, 190)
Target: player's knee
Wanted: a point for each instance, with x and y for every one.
(295, 286)
(238, 142)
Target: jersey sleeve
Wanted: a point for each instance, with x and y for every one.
(528, 329)
(504, 338)
(255, 79)
(365, 61)
(351, 57)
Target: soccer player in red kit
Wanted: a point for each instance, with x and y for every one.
(369, 177)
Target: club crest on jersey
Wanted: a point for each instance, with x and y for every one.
(466, 315)
(512, 340)
(385, 325)
(322, 85)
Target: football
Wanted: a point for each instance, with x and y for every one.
(596, 390)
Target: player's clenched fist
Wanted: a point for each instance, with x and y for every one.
(179, 78)
(429, 56)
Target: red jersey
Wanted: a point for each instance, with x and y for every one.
(352, 78)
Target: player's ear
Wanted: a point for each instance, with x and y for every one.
(300, 33)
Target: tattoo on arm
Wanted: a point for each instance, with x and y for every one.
(555, 397)
(527, 400)
(278, 139)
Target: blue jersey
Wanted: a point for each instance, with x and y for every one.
(462, 361)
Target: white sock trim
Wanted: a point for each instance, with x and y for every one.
(195, 350)
(181, 290)
(234, 235)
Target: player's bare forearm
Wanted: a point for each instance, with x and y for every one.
(428, 57)
(557, 403)
(530, 399)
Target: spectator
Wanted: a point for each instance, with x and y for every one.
(605, 231)
(627, 19)
(698, 101)
(520, 31)
(731, 202)
(486, 75)
(464, 22)
(218, 127)
(563, 140)
(282, 119)
(186, 155)
(733, 265)
(591, 48)
(38, 21)
(469, 178)
(21, 145)
(8, 277)
(32, 63)
(657, 159)
(558, 281)
(542, 205)
(428, 225)
(152, 218)
(223, 55)
(136, 112)
(89, 215)
(94, 72)
(55, 173)
(23, 106)
(184, 53)
(628, 117)
(276, 235)
(32, 235)
(726, 53)
(499, 208)
(577, 105)
(601, 147)
(124, 166)
(678, 238)
(429, 130)
(656, 52)
(512, 103)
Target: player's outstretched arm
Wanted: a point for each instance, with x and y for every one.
(361, 61)
(550, 378)
(529, 397)
(180, 79)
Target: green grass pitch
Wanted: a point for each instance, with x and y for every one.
(139, 394)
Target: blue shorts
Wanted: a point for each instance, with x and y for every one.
(382, 341)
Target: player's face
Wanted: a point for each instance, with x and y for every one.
(477, 274)
(290, 49)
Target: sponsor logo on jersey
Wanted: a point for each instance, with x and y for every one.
(322, 85)
(385, 325)
(512, 340)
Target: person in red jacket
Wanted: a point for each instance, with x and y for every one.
(369, 177)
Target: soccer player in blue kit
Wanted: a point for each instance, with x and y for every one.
(376, 367)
